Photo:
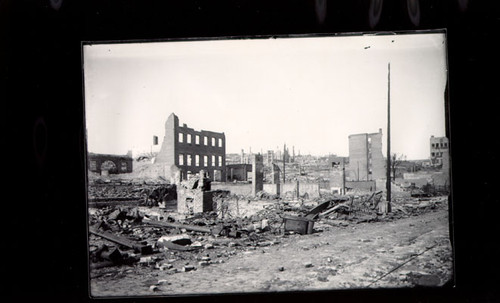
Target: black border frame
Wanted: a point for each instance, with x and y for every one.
(40, 69)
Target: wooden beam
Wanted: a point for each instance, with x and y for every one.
(177, 225)
(143, 249)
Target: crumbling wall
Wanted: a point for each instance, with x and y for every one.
(337, 175)
(311, 189)
(193, 201)
(194, 195)
(168, 148)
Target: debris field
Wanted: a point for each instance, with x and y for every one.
(147, 248)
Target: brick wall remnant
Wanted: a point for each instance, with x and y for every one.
(257, 174)
(276, 178)
(195, 195)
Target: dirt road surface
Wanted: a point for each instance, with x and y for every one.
(401, 253)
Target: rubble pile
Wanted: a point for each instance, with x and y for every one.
(262, 195)
(96, 192)
(145, 194)
(142, 236)
(128, 236)
(159, 194)
(365, 208)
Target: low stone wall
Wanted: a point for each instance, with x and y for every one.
(312, 189)
(363, 185)
(235, 188)
(436, 178)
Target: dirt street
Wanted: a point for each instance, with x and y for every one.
(401, 253)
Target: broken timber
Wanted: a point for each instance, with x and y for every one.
(318, 209)
(324, 214)
(175, 225)
(171, 245)
(143, 249)
(219, 230)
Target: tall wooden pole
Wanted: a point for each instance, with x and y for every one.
(343, 177)
(284, 151)
(388, 181)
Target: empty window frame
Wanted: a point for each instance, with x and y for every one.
(205, 140)
(220, 142)
(197, 139)
(189, 160)
(188, 138)
(205, 161)
(213, 141)
(220, 160)
(181, 159)
(181, 137)
(124, 166)
(197, 160)
(213, 160)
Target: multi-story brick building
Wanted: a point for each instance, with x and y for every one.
(191, 151)
(366, 161)
(439, 151)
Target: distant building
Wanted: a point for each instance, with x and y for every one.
(113, 164)
(191, 151)
(439, 151)
(366, 161)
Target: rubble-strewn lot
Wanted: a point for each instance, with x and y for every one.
(242, 245)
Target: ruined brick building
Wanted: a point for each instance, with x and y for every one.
(366, 161)
(191, 151)
(113, 164)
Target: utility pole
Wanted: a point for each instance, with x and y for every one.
(343, 176)
(284, 150)
(388, 181)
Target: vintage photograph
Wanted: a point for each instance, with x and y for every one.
(268, 164)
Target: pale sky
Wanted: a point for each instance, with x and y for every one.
(311, 93)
